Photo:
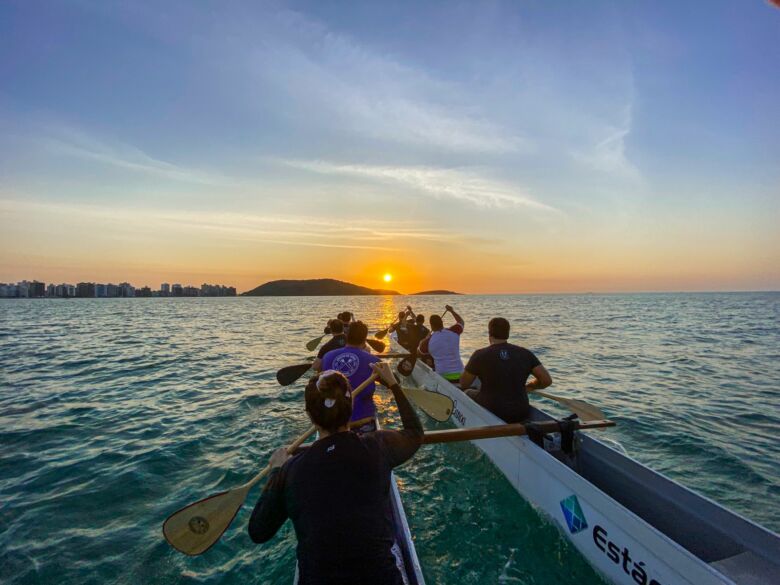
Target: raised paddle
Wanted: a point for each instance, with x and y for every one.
(507, 430)
(289, 374)
(195, 528)
(584, 410)
(381, 334)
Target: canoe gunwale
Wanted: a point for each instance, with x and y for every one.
(683, 565)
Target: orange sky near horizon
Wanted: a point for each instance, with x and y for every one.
(145, 250)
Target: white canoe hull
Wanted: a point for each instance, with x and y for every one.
(618, 543)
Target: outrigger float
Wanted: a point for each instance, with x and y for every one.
(632, 524)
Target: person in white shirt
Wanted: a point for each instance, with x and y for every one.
(444, 346)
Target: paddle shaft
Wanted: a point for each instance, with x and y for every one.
(507, 430)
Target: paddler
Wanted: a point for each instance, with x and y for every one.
(337, 491)
(503, 370)
(355, 362)
(402, 327)
(444, 346)
(336, 328)
(346, 319)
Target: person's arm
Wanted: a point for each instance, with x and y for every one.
(423, 347)
(317, 365)
(471, 371)
(457, 317)
(410, 312)
(399, 446)
(270, 511)
(541, 380)
(466, 379)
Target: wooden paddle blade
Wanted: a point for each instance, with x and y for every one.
(376, 345)
(381, 334)
(314, 343)
(289, 374)
(438, 406)
(584, 410)
(194, 529)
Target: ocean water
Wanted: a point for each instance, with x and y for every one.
(116, 412)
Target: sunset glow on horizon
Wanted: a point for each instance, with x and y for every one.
(484, 149)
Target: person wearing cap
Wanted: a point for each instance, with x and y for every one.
(337, 491)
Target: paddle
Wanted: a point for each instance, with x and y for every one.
(437, 406)
(507, 430)
(584, 410)
(376, 345)
(381, 334)
(289, 374)
(195, 528)
(314, 343)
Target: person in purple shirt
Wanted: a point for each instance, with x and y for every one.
(355, 363)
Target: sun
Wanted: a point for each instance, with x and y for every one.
(387, 277)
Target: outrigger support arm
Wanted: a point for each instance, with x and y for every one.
(507, 430)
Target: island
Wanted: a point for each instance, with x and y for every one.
(437, 292)
(320, 287)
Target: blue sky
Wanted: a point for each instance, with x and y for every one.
(487, 147)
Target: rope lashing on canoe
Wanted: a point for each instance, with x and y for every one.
(566, 428)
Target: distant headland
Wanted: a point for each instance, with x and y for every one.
(320, 287)
(437, 292)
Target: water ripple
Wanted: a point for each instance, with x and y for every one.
(113, 413)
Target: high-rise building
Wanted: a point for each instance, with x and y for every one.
(126, 289)
(176, 290)
(8, 290)
(165, 289)
(85, 290)
(37, 289)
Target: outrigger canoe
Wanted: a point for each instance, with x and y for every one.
(403, 549)
(632, 524)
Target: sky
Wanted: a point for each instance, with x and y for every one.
(482, 147)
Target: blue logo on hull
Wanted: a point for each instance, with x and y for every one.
(572, 512)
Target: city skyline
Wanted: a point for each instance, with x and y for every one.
(82, 289)
(502, 147)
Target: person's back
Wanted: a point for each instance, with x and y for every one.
(503, 370)
(444, 346)
(337, 491)
(355, 364)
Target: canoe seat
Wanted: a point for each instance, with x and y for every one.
(748, 569)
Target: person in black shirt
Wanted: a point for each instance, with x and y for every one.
(339, 339)
(420, 329)
(503, 370)
(402, 327)
(337, 491)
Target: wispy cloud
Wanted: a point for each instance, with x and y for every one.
(462, 185)
(68, 141)
(607, 151)
(332, 81)
(364, 234)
